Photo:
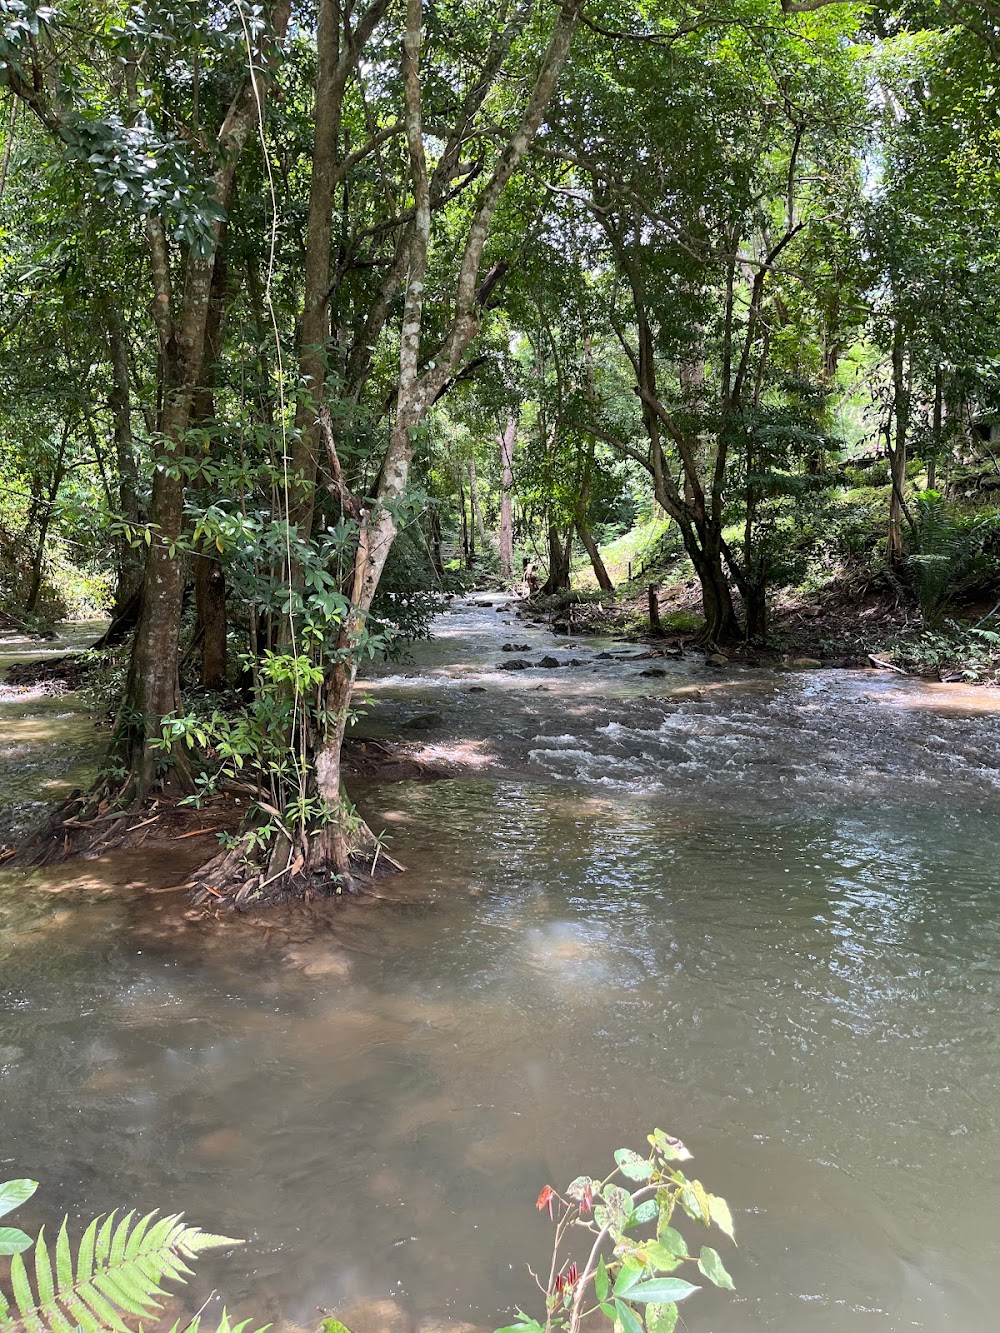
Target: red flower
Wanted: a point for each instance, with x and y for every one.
(587, 1200)
(568, 1279)
(545, 1199)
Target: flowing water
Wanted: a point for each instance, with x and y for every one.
(757, 909)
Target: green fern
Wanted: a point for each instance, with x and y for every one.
(117, 1274)
(223, 1326)
(944, 547)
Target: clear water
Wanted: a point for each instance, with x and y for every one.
(758, 910)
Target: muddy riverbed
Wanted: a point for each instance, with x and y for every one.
(758, 909)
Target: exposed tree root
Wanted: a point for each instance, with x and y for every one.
(88, 824)
(69, 672)
(242, 875)
(317, 865)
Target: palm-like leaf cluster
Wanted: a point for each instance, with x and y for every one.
(114, 1280)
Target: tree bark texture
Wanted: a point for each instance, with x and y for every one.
(506, 440)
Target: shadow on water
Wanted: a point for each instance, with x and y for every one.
(760, 913)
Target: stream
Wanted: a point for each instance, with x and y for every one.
(758, 909)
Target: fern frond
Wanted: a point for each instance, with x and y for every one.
(223, 1326)
(119, 1268)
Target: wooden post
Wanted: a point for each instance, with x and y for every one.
(654, 610)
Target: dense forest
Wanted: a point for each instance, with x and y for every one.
(680, 317)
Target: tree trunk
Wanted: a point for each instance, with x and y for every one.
(129, 561)
(209, 575)
(896, 436)
(436, 555)
(152, 689)
(506, 440)
(313, 329)
(477, 513)
(937, 427)
(755, 607)
(692, 383)
(210, 600)
(466, 557)
(44, 522)
(559, 561)
(593, 551)
(655, 624)
(705, 550)
(471, 527)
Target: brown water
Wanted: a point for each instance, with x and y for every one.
(759, 910)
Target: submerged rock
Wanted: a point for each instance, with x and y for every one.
(550, 662)
(516, 648)
(515, 664)
(716, 660)
(378, 1316)
(653, 671)
(423, 721)
(477, 689)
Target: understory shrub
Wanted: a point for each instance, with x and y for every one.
(950, 554)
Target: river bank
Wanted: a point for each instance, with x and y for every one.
(855, 621)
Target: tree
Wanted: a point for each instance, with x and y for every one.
(316, 849)
(691, 241)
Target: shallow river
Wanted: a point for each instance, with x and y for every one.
(757, 909)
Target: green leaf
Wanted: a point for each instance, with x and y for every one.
(43, 1271)
(673, 1240)
(661, 1318)
(662, 1257)
(333, 1326)
(619, 1205)
(694, 1200)
(662, 1289)
(15, 1192)
(23, 1295)
(13, 1241)
(669, 1147)
(627, 1317)
(711, 1265)
(85, 1255)
(64, 1259)
(524, 1325)
(576, 1188)
(632, 1166)
(646, 1212)
(629, 1274)
(720, 1214)
(601, 1280)
(118, 1271)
